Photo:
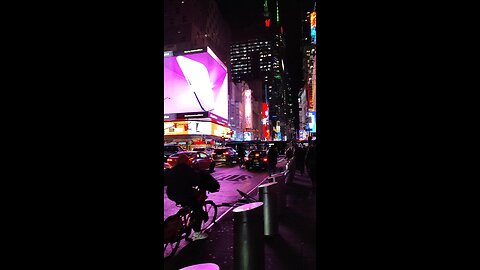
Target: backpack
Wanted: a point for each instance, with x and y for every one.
(208, 182)
(180, 181)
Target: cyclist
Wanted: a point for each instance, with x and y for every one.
(182, 188)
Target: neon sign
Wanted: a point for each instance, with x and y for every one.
(313, 27)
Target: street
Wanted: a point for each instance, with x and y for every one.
(230, 178)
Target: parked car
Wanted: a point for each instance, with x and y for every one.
(171, 149)
(226, 155)
(208, 150)
(256, 159)
(197, 160)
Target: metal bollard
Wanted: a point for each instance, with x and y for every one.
(268, 195)
(282, 190)
(248, 247)
(202, 266)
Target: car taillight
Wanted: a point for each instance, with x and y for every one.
(265, 159)
(169, 159)
(226, 154)
(246, 158)
(257, 155)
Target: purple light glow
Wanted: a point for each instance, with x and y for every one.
(201, 73)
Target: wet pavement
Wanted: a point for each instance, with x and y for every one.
(293, 248)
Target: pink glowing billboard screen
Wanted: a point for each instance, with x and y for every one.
(195, 82)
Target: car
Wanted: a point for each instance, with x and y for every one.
(171, 149)
(197, 160)
(256, 159)
(226, 155)
(208, 150)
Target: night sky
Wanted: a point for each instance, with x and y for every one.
(240, 14)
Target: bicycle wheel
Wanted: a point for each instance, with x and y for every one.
(169, 249)
(211, 209)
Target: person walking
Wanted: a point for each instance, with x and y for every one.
(310, 160)
(272, 156)
(241, 155)
(300, 159)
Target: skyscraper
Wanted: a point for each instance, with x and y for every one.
(260, 58)
(190, 24)
(309, 39)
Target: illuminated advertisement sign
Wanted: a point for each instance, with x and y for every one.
(266, 132)
(311, 122)
(313, 27)
(195, 128)
(248, 108)
(195, 81)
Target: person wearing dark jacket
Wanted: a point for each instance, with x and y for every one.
(310, 160)
(272, 156)
(241, 155)
(182, 180)
(300, 159)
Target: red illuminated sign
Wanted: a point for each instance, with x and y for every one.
(264, 120)
(267, 22)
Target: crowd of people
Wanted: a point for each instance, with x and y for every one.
(304, 157)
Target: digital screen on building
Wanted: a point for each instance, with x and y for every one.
(311, 123)
(195, 82)
(195, 128)
(266, 133)
(313, 27)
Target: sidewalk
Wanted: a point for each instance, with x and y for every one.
(293, 248)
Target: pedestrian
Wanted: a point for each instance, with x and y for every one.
(272, 156)
(310, 160)
(300, 159)
(241, 155)
(289, 152)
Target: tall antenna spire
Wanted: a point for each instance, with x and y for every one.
(265, 10)
(278, 15)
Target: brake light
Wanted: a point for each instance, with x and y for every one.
(169, 159)
(246, 158)
(226, 153)
(265, 159)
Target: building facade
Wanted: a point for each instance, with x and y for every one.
(196, 26)
(190, 24)
(308, 97)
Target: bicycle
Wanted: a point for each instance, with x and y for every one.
(179, 226)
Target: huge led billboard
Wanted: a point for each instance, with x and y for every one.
(195, 82)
